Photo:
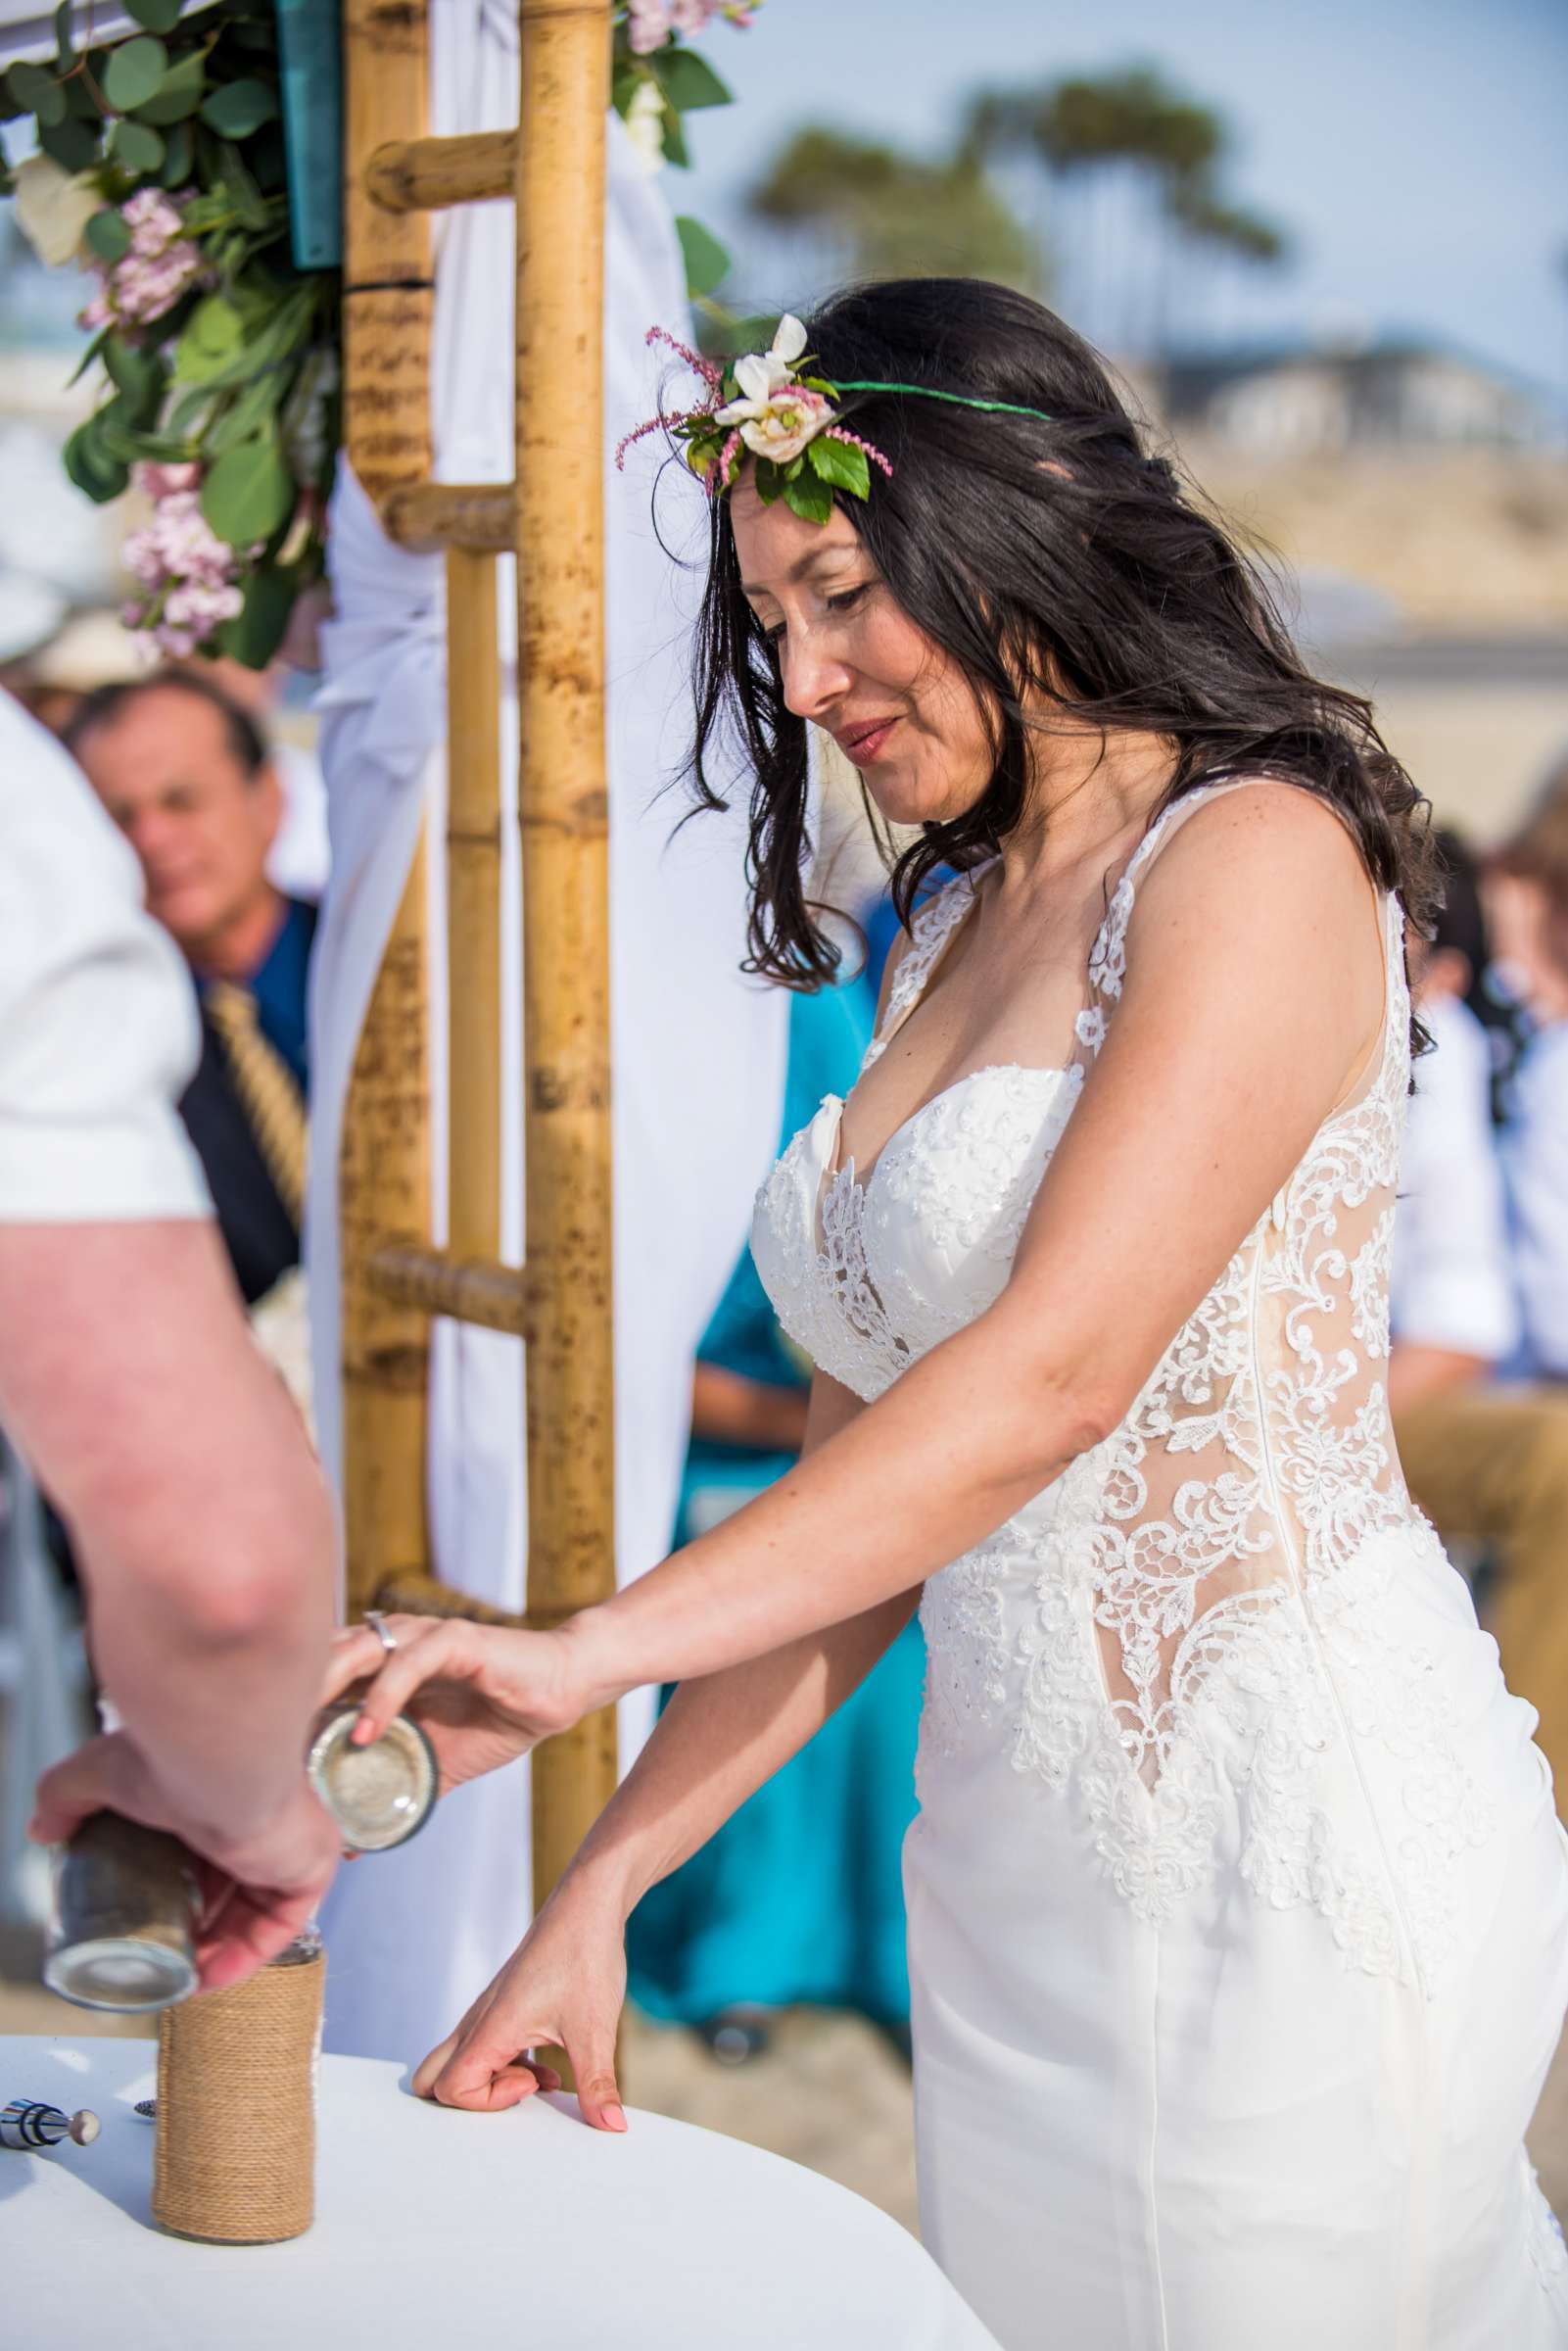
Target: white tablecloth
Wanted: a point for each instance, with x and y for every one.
(477, 2232)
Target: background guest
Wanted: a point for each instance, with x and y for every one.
(799, 1896)
(1486, 1461)
(184, 771)
(1527, 884)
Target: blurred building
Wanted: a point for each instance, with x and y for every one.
(1289, 400)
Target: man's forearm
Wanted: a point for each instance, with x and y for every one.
(218, 1700)
(131, 1381)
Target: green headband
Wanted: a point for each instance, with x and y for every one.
(765, 408)
(959, 399)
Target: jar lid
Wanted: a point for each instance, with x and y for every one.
(128, 1972)
(378, 1795)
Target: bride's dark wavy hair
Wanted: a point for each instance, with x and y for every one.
(1104, 586)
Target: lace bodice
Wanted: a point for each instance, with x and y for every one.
(1220, 1549)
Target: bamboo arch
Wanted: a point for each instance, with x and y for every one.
(552, 515)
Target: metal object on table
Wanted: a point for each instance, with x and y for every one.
(29, 2124)
(378, 1795)
(121, 1932)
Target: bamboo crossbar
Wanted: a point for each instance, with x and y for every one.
(426, 175)
(418, 1594)
(413, 1595)
(480, 517)
(433, 1282)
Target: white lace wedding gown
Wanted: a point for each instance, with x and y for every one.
(1238, 1907)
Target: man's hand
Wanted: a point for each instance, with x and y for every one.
(259, 1891)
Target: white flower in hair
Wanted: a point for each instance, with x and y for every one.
(776, 417)
(762, 373)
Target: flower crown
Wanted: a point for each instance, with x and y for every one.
(764, 406)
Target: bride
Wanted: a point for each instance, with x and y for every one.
(1237, 1900)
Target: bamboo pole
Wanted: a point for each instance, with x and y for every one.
(562, 812)
(473, 908)
(384, 1195)
(384, 1184)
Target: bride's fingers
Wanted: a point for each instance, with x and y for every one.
(444, 1646)
(486, 2070)
(592, 2056)
(425, 2074)
(350, 1660)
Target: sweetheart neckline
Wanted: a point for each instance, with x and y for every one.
(833, 1175)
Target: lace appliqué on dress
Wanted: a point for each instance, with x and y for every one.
(1198, 1638)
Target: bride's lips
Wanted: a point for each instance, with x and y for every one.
(864, 744)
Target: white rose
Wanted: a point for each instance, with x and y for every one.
(53, 207)
(780, 427)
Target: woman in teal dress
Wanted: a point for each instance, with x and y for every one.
(798, 1898)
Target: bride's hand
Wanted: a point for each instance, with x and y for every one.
(563, 1987)
(482, 1694)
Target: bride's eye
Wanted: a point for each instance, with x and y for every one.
(849, 599)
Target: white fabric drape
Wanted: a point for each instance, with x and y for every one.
(698, 1051)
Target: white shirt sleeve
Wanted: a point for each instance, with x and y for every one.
(99, 1032)
(1534, 1153)
(1453, 1284)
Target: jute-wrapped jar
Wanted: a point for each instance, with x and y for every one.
(235, 2155)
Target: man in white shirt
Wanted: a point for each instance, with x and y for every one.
(1485, 1460)
(129, 1379)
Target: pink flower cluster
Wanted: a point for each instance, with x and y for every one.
(654, 21)
(188, 574)
(152, 275)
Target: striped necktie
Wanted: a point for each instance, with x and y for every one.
(269, 1094)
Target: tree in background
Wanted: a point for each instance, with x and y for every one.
(1127, 172)
(871, 210)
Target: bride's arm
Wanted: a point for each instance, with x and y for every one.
(717, 1741)
(722, 1735)
(1253, 995)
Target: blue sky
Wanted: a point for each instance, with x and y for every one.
(1418, 148)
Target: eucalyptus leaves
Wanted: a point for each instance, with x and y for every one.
(162, 170)
(162, 166)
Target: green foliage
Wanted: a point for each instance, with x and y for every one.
(156, 16)
(840, 465)
(178, 94)
(707, 263)
(108, 235)
(894, 213)
(72, 144)
(687, 80)
(1083, 129)
(33, 91)
(249, 492)
(137, 150)
(237, 374)
(134, 72)
(255, 636)
(239, 108)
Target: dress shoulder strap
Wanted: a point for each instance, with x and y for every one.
(1108, 961)
(931, 930)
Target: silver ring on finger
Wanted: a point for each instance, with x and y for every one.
(378, 1625)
